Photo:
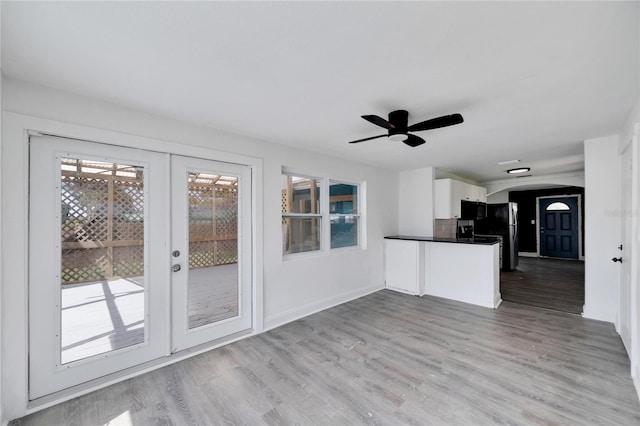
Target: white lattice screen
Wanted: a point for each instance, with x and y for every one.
(102, 225)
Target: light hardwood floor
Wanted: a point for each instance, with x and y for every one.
(391, 359)
(556, 284)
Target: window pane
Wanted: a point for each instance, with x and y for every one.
(300, 234)
(300, 195)
(343, 198)
(344, 231)
(558, 206)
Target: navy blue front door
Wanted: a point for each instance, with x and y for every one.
(559, 227)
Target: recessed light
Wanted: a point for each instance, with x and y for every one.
(502, 163)
(519, 170)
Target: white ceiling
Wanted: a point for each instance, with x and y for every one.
(532, 80)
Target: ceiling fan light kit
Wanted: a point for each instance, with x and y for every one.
(398, 137)
(398, 129)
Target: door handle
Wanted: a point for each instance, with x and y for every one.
(176, 268)
(617, 259)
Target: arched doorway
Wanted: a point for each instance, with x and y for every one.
(549, 235)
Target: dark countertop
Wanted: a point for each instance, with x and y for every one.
(487, 241)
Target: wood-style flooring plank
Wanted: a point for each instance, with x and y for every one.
(546, 283)
(386, 359)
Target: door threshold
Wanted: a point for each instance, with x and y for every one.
(544, 309)
(138, 370)
(560, 258)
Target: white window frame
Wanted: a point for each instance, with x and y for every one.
(320, 215)
(325, 215)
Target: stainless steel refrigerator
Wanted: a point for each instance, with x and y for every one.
(502, 219)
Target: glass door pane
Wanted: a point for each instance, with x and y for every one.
(98, 278)
(213, 248)
(102, 257)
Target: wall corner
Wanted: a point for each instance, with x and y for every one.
(416, 204)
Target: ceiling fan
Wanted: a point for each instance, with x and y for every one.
(398, 128)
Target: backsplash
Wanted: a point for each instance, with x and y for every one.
(445, 228)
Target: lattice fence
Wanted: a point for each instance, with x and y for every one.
(102, 225)
(102, 222)
(213, 226)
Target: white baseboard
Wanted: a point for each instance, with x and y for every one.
(131, 372)
(497, 303)
(282, 318)
(528, 254)
(595, 315)
(636, 383)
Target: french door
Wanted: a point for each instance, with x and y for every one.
(133, 255)
(211, 250)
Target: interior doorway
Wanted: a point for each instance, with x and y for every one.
(550, 273)
(545, 283)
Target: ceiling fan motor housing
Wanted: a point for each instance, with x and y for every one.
(399, 119)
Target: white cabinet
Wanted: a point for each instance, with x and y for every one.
(404, 266)
(476, 193)
(449, 192)
(443, 196)
(465, 272)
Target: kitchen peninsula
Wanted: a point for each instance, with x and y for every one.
(466, 270)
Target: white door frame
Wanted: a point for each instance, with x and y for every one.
(579, 197)
(14, 182)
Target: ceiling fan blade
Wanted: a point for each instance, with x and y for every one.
(379, 121)
(368, 139)
(414, 141)
(435, 123)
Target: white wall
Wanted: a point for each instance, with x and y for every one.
(498, 197)
(602, 228)
(535, 182)
(416, 213)
(291, 288)
(1, 258)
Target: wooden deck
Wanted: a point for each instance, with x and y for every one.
(386, 359)
(207, 303)
(103, 316)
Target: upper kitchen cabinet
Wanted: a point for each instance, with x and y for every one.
(449, 193)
